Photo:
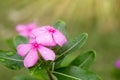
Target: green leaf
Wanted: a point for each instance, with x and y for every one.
(39, 72)
(54, 77)
(61, 26)
(11, 60)
(10, 43)
(24, 77)
(84, 60)
(71, 46)
(19, 40)
(116, 73)
(75, 73)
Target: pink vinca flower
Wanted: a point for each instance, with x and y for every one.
(25, 30)
(29, 51)
(117, 64)
(48, 36)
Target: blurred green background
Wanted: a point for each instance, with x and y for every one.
(99, 18)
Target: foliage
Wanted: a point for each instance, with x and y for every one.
(78, 69)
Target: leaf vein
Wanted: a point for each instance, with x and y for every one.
(70, 48)
(67, 75)
(11, 59)
(85, 61)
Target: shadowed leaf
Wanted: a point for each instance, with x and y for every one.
(84, 60)
(61, 26)
(75, 73)
(24, 77)
(71, 46)
(11, 60)
(19, 40)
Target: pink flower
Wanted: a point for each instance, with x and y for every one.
(29, 51)
(117, 64)
(25, 30)
(48, 36)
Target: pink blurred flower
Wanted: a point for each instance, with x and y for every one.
(48, 36)
(25, 30)
(117, 64)
(29, 51)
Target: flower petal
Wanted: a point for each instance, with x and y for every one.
(59, 38)
(37, 31)
(21, 29)
(117, 64)
(32, 40)
(23, 49)
(32, 25)
(45, 39)
(46, 53)
(31, 59)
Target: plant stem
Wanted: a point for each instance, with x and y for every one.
(50, 74)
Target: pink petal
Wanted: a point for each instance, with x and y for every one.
(31, 59)
(23, 49)
(46, 53)
(117, 64)
(49, 27)
(32, 40)
(21, 29)
(25, 30)
(59, 38)
(45, 39)
(37, 31)
(32, 25)
(24, 33)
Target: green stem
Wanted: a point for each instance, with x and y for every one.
(50, 74)
(53, 66)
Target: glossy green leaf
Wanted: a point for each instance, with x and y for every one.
(39, 72)
(61, 26)
(84, 60)
(11, 60)
(75, 73)
(24, 77)
(71, 46)
(19, 40)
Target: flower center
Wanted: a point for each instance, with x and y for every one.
(29, 30)
(51, 30)
(36, 45)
